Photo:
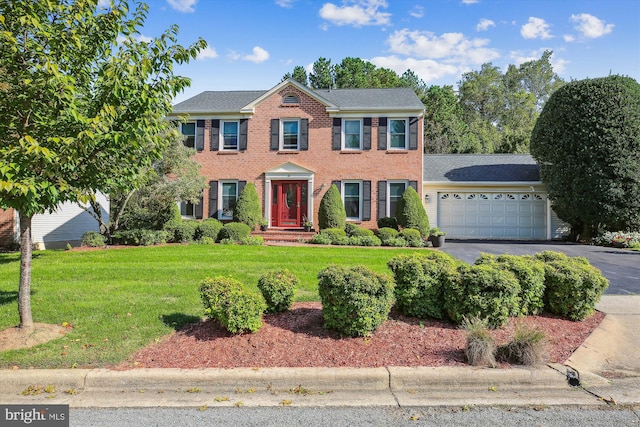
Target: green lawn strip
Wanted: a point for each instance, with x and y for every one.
(118, 301)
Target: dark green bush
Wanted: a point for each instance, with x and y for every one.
(141, 237)
(235, 231)
(573, 287)
(335, 234)
(355, 300)
(413, 237)
(331, 213)
(93, 239)
(238, 310)
(361, 232)
(483, 291)
(388, 222)
(209, 227)
(247, 209)
(387, 233)
(364, 241)
(185, 231)
(349, 228)
(411, 213)
(530, 274)
(420, 282)
(278, 288)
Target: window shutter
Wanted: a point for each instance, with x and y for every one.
(414, 184)
(244, 125)
(213, 199)
(198, 208)
(382, 199)
(275, 135)
(215, 135)
(241, 185)
(366, 133)
(336, 136)
(382, 133)
(200, 135)
(366, 200)
(338, 184)
(304, 134)
(413, 133)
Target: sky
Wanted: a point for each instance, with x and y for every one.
(252, 44)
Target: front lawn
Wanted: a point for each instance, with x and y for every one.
(116, 301)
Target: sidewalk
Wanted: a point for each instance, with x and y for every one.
(607, 365)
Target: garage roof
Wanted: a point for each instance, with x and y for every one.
(480, 168)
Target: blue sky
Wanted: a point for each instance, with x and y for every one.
(253, 43)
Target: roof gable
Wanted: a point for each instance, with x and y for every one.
(250, 107)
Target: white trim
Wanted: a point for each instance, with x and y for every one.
(342, 134)
(250, 108)
(221, 136)
(288, 172)
(406, 133)
(281, 134)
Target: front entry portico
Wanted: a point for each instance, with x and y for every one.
(288, 195)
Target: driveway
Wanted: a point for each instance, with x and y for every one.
(621, 267)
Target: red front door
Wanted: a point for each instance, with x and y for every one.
(289, 203)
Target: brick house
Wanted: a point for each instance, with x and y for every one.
(293, 142)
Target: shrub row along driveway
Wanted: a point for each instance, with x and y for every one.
(620, 266)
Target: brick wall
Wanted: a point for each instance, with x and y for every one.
(7, 225)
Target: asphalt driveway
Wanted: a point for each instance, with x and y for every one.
(621, 267)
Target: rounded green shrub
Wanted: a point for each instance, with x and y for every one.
(185, 231)
(388, 222)
(420, 282)
(93, 239)
(483, 291)
(364, 241)
(361, 232)
(252, 241)
(278, 288)
(387, 233)
(235, 231)
(209, 228)
(335, 234)
(141, 237)
(396, 242)
(331, 213)
(413, 237)
(247, 209)
(320, 239)
(349, 228)
(355, 300)
(411, 213)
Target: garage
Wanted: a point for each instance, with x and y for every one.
(493, 215)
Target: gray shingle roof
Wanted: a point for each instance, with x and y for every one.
(218, 101)
(480, 168)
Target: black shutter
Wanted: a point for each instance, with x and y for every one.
(275, 135)
(382, 199)
(366, 133)
(414, 184)
(241, 185)
(382, 133)
(215, 135)
(366, 200)
(338, 184)
(244, 125)
(336, 136)
(198, 208)
(304, 134)
(413, 133)
(213, 199)
(200, 135)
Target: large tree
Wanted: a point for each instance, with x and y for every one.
(587, 141)
(83, 106)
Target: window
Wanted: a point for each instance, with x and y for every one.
(397, 134)
(230, 135)
(352, 199)
(189, 130)
(395, 194)
(229, 191)
(290, 134)
(352, 135)
(187, 210)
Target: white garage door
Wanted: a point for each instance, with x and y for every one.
(487, 215)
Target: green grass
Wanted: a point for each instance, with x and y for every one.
(118, 301)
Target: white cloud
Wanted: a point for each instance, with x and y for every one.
(427, 69)
(590, 26)
(417, 12)
(207, 52)
(568, 38)
(104, 3)
(518, 58)
(470, 1)
(187, 6)
(285, 3)
(143, 38)
(536, 28)
(259, 55)
(485, 24)
(358, 13)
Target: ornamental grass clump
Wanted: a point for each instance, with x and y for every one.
(528, 345)
(480, 348)
(277, 288)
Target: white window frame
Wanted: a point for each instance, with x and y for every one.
(344, 134)
(222, 139)
(185, 207)
(282, 147)
(389, 183)
(360, 198)
(406, 133)
(195, 131)
(221, 196)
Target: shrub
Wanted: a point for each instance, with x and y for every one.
(355, 300)
(573, 287)
(247, 209)
(252, 241)
(237, 309)
(93, 239)
(387, 233)
(209, 227)
(235, 231)
(141, 237)
(331, 213)
(349, 228)
(206, 241)
(411, 213)
(364, 241)
(320, 239)
(277, 288)
(342, 241)
(185, 231)
(420, 282)
(623, 239)
(413, 237)
(530, 274)
(484, 291)
(335, 234)
(527, 347)
(480, 348)
(361, 232)
(388, 222)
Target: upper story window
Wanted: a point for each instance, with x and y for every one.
(290, 99)
(398, 134)
(290, 134)
(189, 130)
(230, 135)
(352, 134)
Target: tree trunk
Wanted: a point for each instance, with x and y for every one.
(24, 292)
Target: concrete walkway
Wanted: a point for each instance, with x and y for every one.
(607, 367)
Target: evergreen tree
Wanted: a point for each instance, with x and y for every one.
(247, 209)
(411, 213)
(331, 213)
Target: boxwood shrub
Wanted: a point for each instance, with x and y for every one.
(413, 237)
(364, 241)
(388, 222)
(235, 231)
(185, 231)
(141, 237)
(335, 234)
(360, 232)
(93, 239)
(355, 300)
(278, 288)
(387, 233)
(209, 227)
